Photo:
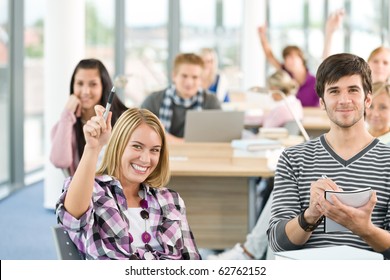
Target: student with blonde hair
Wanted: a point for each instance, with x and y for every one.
(280, 83)
(379, 61)
(123, 210)
(212, 79)
(378, 114)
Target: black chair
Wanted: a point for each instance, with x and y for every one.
(66, 250)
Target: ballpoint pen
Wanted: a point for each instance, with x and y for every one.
(109, 102)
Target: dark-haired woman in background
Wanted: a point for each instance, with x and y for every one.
(90, 85)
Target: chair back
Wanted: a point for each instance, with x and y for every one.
(66, 250)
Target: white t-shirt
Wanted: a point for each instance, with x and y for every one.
(137, 228)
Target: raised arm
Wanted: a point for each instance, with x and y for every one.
(333, 22)
(262, 31)
(97, 131)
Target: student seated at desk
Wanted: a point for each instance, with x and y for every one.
(212, 79)
(280, 83)
(171, 104)
(349, 156)
(123, 210)
(295, 63)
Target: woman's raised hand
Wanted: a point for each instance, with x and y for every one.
(97, 131)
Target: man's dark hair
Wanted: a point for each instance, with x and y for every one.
(340, 65)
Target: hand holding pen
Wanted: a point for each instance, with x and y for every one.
(317, 191)
(109, 102)
(338, 188)
(97, 130)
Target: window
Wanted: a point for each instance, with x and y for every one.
(146, 48)
(100, 32)
(218, 27)
(302, 22)
(33, 85)
(4, 96)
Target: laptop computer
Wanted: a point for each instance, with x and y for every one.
(213, 126)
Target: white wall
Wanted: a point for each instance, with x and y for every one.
(64, 47)
(252, 56)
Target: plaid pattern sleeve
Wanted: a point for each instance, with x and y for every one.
(103, 231)
(173, 229)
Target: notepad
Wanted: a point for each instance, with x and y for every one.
(355, 198)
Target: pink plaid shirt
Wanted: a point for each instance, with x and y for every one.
(103, 231)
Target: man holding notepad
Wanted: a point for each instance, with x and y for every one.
(346, 159)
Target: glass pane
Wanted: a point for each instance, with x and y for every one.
(4, 94)
(219, 27)
(285, 26)
(315, 34)
(33, 84)
(365, 23)
(100, 32)
(338, 41)
(146, 47)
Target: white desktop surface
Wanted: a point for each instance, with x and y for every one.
(329, 253)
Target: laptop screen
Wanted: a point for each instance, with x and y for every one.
(213, 126)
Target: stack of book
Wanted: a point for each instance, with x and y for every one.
(258, 151)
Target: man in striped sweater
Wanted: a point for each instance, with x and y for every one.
(346, 158)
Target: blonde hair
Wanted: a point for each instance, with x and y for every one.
(210, 51)
(129, 121)
(377, 51)
(282, 81)
(209, 76)
(380, 87)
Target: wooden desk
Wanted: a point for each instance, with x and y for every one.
(219, 191)
(315, 120)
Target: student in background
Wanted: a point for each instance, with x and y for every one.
(281, 83)
(343, 154)
(378, 114)
(186, 93)
(123, 210)
(212, 79)
(294, 63)
(379, 61)
(90, 85)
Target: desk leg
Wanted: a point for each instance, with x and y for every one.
(251, 203)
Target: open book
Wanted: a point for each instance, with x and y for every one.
(355, 198)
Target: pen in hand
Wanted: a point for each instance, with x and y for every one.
(326, 177)
(109, 102)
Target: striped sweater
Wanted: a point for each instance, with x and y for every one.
(300, 165)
